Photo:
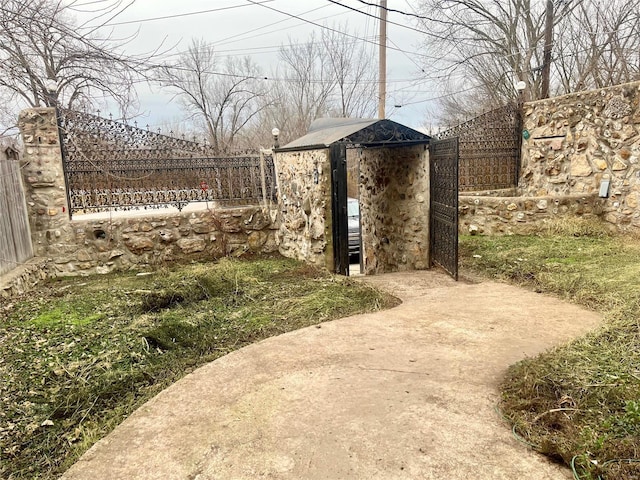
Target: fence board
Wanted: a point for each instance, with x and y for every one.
(15, 236)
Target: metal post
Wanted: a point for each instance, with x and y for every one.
(548, 47)
(382, 65)
(263, 178)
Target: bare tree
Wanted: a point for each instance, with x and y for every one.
(327, 76)
(236, 106)
(599, 45)
(354, 74)
(305, 86)
(46, 57)
(484, 42)
(481, 48)
(222, 97)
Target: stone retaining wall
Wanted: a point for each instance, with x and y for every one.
(123, 243)
(578, 141)
(23, 278)
(126, 239)
(522, 215)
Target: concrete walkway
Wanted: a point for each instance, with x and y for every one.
(407, 393)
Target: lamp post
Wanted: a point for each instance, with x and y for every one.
(520, 86)
(51, 87)
(275, 132)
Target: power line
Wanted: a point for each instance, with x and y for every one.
(225, 40)
(441, 96)
(420, 67)
(178, 15)
(326, 27)
(267, 78)
(429, 34)
(422, 17)
(388, 21)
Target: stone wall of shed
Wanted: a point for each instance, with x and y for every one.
(304, 203)
(394, 208)
(576, 141)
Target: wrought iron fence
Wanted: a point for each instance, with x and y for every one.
(111, 165)
(489, 149)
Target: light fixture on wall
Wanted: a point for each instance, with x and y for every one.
(275, 132)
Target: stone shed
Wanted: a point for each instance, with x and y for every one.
(389, 167)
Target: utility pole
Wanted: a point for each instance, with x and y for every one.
(548, 47)
(382, 64)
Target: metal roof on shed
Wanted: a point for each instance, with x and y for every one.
(365, 131)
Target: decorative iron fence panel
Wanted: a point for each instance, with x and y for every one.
(110, 165)
(15, 235)
(489, 149)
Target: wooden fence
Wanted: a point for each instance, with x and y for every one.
(15, 236)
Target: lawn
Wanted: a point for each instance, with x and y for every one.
(578, 403)
(80, 354)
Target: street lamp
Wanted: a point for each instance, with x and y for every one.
(275, 132)
(51, 87)
(520, 86)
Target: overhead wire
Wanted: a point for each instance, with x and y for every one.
(370, 42)
(422, 17)
(387, 21)
(180, 15)
(265, 77)
(325, 27)
(225, 42)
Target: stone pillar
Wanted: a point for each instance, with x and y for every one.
(44, 181)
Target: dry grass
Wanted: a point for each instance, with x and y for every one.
(79, 355)
(578, 403)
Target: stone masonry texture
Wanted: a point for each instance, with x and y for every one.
(121, 241)
(578, 141)
(394, 208)
(304, 186)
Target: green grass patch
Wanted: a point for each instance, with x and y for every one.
(578, 403)
(64, 314)
(80, 354)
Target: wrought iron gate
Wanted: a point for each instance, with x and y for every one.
(443, 224)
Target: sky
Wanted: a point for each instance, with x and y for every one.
(244, 27)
